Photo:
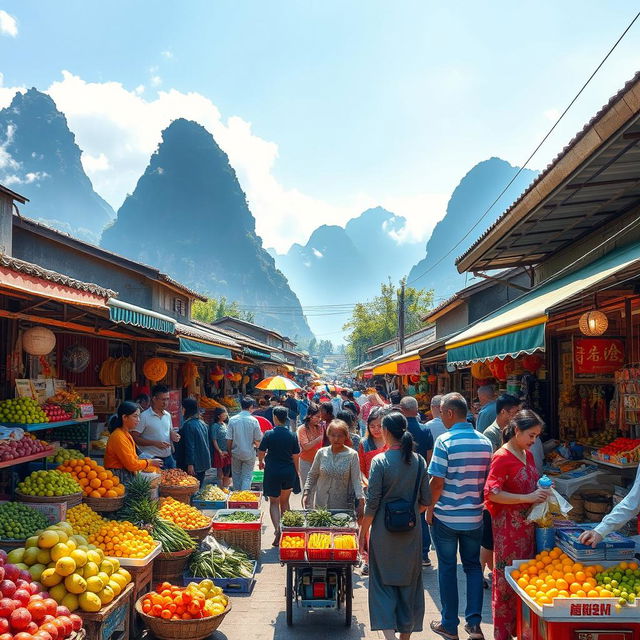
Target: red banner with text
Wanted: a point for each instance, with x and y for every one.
(597, 356)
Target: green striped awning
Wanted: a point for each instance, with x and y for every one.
(124, 313)
(254, 353)
(203, 349)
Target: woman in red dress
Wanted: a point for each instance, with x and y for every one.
(372, 444)
(510, 490)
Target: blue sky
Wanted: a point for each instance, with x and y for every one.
(326, 107)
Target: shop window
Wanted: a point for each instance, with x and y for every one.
(180, 306)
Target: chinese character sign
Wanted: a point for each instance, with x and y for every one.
(597, 356)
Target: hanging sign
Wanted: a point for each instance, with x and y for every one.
(175, 407)
(597, 359)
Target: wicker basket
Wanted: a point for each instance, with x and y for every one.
(182, 629)
(72, 499)
(104, 504)
(199, 534)
(247, 540)
(181, 494)
(169, 567)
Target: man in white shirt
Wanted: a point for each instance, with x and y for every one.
(243, 436)
(155, 434)
(436, 426)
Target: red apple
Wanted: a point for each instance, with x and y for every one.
(32, 627)
(21, 583)
(68, 625)
(34, 588)
(1, 572)
(47, 618)
(23, 635)
(4, 625)
(51, 606)
(25, 575)
(11, 572)
(23, 596)
(20, 619)
(62, 611)
(51, 629)
(8, 588)
(42, 635)
(6, 607)
(37, 610)
(77, 621)
(6, 636)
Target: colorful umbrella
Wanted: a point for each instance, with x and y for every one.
(278, 383)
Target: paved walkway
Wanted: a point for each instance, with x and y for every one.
(261, 616)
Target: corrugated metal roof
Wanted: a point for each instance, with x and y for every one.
(210, 335)
(630, 95)
(37, 271)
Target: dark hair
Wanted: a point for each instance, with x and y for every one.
(281, 414)
(350, 406)
(507, 401)
(350, 395)
(374, 414)
(327, 407)
(456, 403)
(190, 407)
(246, 402)
(157, 389)
(523, 421)
(217, 412)
(396, 424)
(395, 397)
(262, 402)
(126, 408)
(348, 417)
(143, 397)
(311, 411)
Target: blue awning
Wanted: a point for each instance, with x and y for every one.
(125, 313)
(203, 349)
(254, 353)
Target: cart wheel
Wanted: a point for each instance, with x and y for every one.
(289, 595)
(348, 596)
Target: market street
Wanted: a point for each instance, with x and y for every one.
(261, 616)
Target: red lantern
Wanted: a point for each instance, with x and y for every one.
(414, 379)
(509, 366)
(480, 370)
(532, 363)
(256, 376)
(432, 379)
(498, 369)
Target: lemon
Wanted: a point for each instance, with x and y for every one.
(71, 602)
(119, 579)
(48, 539)
(50, 578)
(71, 543)
(80, 557)
(44, 557)
(60, 550)
(106, 595)
(104, 577)
(58, 592)
(115, 586)
(75, 584)
(94, 556)
(116, 564)
(31, 542)
(94, 584)
(90, 602)
(107, 567)
(126, 574)
(65, 566)
(90, 569)
(62, 535)
(30, 556)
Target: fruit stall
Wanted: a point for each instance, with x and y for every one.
(319, 549)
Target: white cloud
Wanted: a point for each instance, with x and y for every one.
(156, 81)
(317, 254)
(552, 114)
(8, 24)
(118, 130)
(167, 55)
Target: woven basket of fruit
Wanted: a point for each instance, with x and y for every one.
(182, 494)
(199, 534)
(168, 629)
(104, 504)
(71, 499)
(171, 565)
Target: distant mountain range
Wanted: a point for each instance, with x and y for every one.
(40, 159)
(343, 265)
(469, 200)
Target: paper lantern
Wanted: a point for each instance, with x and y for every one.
(532, 362)
(413, 379)
(432, 379)
(593, 323)
(216, 377)
(480, 370)
(38, 341)
(155, 369)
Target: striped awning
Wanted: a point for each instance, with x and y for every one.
(125, 313)
(204, 349)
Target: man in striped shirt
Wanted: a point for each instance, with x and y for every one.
(458, 470)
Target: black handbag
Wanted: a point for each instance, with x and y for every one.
(400, 515)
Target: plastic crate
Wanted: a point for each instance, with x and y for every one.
(291, 555)
(344, 555)
(257, 476)
(232, 504)
(209, 504)
(237, 525)
(319, 555)
(228, 585)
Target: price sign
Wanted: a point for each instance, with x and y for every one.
(175, 407)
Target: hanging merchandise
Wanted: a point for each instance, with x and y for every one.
(593, 323)
(245, 379)
(76, 358)
(479, 370)
(189, 374)
(155, 369)
(38, 341)
(117, 372)
(498, 369)
(532, 362)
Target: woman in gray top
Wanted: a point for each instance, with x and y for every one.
(396, 594)
(335, 473)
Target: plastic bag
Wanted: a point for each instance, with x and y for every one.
(553, 508)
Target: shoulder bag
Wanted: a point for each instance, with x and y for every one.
(400, 515)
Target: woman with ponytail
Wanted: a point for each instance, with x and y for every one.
(397, 476)
(121, 456)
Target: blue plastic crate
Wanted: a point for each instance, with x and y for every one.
(209, 504)
(228, 585)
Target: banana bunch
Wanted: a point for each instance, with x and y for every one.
(319, 541)
(344, 542)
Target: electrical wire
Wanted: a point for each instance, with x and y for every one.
(523, 167)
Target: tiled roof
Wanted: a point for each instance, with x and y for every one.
(543, 174)
(202, 332)
(37, 271)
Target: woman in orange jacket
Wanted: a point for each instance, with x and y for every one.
(121, 456)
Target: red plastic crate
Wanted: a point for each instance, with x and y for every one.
(292, 554)
(246, 505)
(318, 555)
(344, 555)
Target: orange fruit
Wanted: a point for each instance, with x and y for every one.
(574, 587)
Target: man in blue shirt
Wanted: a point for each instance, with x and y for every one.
(424, 446)
(487, 415)
(458, 470)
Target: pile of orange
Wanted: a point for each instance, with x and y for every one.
(123, 540)
(177, 478)
(553, 574)
(182, 514)
(177, 603)
(95, 480)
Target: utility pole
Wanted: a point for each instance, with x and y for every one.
(401, 316)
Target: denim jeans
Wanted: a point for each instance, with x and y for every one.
(447, 541)
(241, 472)
(169, 462)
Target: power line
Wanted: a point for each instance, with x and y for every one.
(521, 169)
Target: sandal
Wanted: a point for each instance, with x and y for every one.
(437, 627)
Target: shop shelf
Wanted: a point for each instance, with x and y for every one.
(35, 456)
(39, 426)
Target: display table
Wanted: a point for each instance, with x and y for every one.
(112, 622)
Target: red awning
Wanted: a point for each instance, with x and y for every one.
(410, 368)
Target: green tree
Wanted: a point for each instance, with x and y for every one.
(312, 347)
(377, 321)
(216, 308)
(325, 347)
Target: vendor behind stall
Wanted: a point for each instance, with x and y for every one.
(120, 456)
(193, 452)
